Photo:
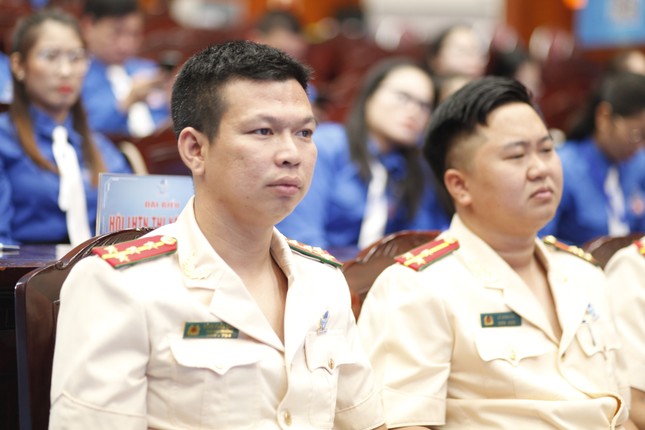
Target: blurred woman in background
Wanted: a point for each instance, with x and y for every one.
(603, 163)
(370, 179)
(49, 158)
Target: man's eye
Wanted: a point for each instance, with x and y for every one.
(263, 131)
(306, 133)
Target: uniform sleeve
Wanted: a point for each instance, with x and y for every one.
(6, 207)
(406, 332)
(626, 278)
(358, 405)
(103, 113)
(430, 215)
(102, 348)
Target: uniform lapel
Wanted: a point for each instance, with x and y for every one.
(571, 299)
(301, 308)
(233, 304)
(494, 273)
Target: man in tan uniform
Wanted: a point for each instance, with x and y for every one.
(489, 327)
(218, 321)
(626, 274)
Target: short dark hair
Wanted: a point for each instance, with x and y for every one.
(468, 108)
(196, 94)
(98, 9)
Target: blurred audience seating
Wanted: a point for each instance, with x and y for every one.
(158, 152)
(36, 306)
(361, 271)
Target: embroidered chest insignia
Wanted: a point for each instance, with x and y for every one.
(314, 252)
(578, 252)
(423, 256)
(640, 245)
(135, 251)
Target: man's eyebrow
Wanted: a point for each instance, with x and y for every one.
(273, 119)
(523, 143)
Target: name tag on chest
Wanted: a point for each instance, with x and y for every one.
(500, 319)
(213, 330)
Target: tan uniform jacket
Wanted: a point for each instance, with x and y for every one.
(122, 360)
(626, 274)
(464, 343)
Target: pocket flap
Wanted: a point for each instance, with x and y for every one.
(327, 351)
(218, 355)
(502, 344)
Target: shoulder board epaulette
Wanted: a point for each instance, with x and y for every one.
(423, 256)
(640, 244)
(136, 251)
(578, 252)
(314, 252)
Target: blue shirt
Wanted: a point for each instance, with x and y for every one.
(6, 83)
(331, 213)
(583, 211)
(100, 102)
(29, 211)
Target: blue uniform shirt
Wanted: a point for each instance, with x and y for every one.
(101, 105)
(6, 84)
(582, 214)
(29, 210)
(331, 213)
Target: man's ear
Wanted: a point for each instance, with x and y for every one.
(457, 185)
(193, 146)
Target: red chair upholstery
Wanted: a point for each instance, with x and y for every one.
(604, 247)
(361, 271)
(36, 307)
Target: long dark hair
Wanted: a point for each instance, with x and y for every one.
(24, 38)
(358, 134)
(624, 91)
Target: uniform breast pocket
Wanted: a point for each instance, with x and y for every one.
(509, 345)
(217, 380)
(597, 337)
(325, 354)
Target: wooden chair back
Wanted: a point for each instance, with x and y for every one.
(604, 247)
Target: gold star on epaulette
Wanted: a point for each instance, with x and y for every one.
(578, 252)
(138, 250)
(314, 252)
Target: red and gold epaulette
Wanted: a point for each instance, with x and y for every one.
(423, 256)
(640, 244)
(578, 252)
(136, 251)
(314, 252)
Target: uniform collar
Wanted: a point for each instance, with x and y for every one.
(203, 268)
(44, 124)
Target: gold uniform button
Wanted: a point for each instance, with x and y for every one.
(287, 418)
(331, 363)
(513, 355)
